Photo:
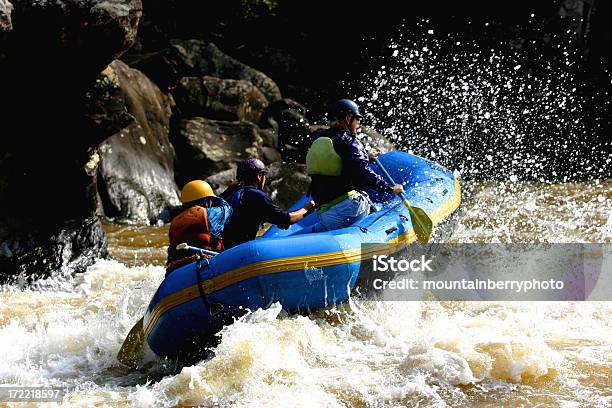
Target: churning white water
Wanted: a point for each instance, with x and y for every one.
(363, 353)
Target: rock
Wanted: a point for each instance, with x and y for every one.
(196, 58)
(60, 253)
(222, 180)
(136, 172)
(88, 32)
(288, 118)
(204, 146)
(220, 99)
(269, 136)
(165, 67)
(287, 182)
(5, 15)
(207, 59)
(106, 108)
(275, 108)
(188, 58)
(191, 97)
(271, 155)
(49, 63)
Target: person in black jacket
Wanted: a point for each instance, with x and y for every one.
(252, 206)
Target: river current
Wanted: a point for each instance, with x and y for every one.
(66, 331)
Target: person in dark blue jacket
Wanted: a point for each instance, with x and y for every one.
(339, 167)
(252, 206)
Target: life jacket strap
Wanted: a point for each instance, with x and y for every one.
(325, 207)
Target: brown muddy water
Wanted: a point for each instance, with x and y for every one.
(66, 331)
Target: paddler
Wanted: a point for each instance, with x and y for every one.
(339, 167)
(199, 223)
(252, 206)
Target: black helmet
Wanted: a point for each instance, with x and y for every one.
(249, 169)
(344, 107)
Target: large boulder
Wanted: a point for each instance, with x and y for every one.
(198, 58)
(220, 99)
(205, 146)
(69, 249)
(222, 180)
(136, 172)
(207, 59)
(48, 68)
(89, 33)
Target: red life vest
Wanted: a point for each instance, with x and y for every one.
(191, 226)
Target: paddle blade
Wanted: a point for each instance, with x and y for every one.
(132, 350)
(421, 222)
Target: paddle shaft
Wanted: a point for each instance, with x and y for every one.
(386, 173)
(196, 249)
(421, 222)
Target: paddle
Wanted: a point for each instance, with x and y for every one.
(420, 220)
(132, 349)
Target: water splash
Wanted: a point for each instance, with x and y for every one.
(513, 114)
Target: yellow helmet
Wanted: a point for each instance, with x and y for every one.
(196, 189)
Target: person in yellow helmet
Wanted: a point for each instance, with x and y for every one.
(199, 223)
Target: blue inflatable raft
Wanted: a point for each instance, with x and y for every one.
(301, 272)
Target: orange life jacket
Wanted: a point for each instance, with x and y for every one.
(191, 226)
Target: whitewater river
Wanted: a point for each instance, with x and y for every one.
(66, 332)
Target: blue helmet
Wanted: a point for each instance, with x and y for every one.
(345, 107)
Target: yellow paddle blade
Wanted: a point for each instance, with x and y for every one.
(132, 350)
(421, 223)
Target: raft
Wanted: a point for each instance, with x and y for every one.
(302, 272)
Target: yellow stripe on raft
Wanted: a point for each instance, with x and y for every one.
(295, 263)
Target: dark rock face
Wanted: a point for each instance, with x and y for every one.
(271, 155)
(207, 59)
(220, 99)
(191, 97)
(287, 182)
(189, 58)
(65, 251)
(55, 117)
(269, 136)
(204, 146)
(165, 67)
(288, 119)
(136, 174)
(87, 32)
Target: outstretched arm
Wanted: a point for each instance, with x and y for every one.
(298, 215)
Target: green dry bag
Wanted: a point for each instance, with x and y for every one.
(322, 158)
